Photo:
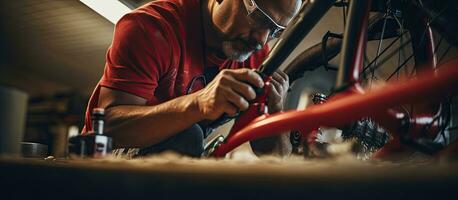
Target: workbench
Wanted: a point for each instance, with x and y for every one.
(174, 177)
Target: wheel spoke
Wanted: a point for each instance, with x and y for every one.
(400, 67)
(380, 43)
(375, 63)
(422, 40)
(382, 53)
(445, 53)
(438, 45)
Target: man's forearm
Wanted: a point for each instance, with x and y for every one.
(142, 126)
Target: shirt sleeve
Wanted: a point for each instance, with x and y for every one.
(138, 57)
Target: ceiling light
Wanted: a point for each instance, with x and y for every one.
(112, 10)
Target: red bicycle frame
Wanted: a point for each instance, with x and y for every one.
(351, 103)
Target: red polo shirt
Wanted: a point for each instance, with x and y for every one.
(158, 50)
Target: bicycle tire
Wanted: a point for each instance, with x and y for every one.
(312, 58)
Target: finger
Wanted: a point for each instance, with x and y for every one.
(241, 88)
(230, 109)
(286, 78)
(274, 100)
(284, 75)
(248, 76)
(284, 82)
(276, 76)
(274, 95)
(278, 86)
(236, 99)
(281, 79)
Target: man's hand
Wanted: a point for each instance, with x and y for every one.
(277, 91)
(229, 92)
(279, 144)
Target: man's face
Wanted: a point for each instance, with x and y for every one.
(250, 24)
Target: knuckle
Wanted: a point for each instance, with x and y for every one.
(218, 84)
(217, 79)
(247, 72)
(223, 79)
(224, 72)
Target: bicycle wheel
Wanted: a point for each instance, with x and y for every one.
(400, 44)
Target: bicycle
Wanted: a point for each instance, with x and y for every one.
(349, 101)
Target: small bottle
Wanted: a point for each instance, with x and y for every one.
(102, 144)
(94, 144)
(98, 117)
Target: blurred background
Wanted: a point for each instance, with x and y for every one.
(54, 50)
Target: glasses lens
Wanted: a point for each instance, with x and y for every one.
(260, 20)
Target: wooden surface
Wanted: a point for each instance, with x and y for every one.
(174, 177)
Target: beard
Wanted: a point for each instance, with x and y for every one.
(239, 49)
(233, 54)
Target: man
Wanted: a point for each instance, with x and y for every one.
(156, 85)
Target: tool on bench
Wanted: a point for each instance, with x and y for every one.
(94, 144)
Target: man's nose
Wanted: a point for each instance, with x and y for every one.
(261, 35)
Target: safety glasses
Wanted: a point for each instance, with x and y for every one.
(262, 19)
